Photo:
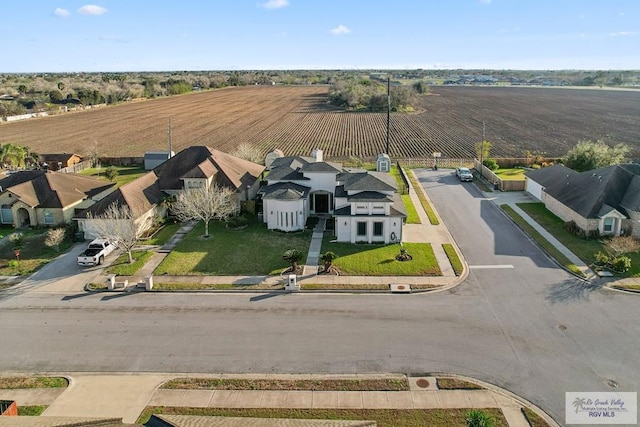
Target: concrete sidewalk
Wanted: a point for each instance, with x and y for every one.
(126, 396)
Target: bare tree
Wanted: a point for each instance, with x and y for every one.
(619, 245)
(205, 204)
(118, 225)
(55, 236)
(249, 152)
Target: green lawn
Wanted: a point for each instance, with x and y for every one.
(514, 174)
(250, 251)
(33, 252)
(454, 259)
(412, 213)
(379, 260)
(583, 248)
(163, 235)
(125, 173)
(383, 417)
(433, 218)
(121, 265)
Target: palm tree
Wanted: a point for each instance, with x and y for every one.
(13, 156)
(292, 256)
(328, 258)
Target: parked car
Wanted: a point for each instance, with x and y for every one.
(464, 174)
(96, 252)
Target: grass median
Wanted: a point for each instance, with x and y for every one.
(541, 241)
(431, 214)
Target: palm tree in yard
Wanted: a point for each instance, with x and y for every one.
(328, 258)
(292, 256)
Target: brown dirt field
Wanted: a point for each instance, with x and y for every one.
(296, 119)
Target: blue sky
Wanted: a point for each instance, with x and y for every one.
(145, 35)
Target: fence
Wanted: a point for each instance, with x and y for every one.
(499, 184)
(404, 189)
(429, 162)
(78, 167)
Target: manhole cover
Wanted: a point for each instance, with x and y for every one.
(613, 384)
(422, 383)
(401, 287)
(562, 328)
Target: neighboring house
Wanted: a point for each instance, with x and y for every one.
(33, 198)
(142, 196)
(200, 166)
(153, 159)
(193, 167)
(605, 200)
(365, 205)
(56, 162)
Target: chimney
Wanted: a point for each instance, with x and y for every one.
(317, 155)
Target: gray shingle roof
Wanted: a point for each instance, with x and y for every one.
(285, 191)
(587, 192)
(369, 196)
(321, 167)
(368, 181)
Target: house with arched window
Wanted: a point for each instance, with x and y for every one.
(44, 198)
(365, 206)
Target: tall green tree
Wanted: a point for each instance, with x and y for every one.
(588, 155)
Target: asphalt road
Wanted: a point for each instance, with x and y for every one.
(517, 321)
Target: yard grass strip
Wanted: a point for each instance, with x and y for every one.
(412, 213)
(10, 383)
(534, 419)
(382, 384)
(454, 259)
(446, 383)
(433, 218)
(212, 286)
(163, 235)
(541, 241)
(121, 266)
(383, 417)
(31, 410)
(360, 286)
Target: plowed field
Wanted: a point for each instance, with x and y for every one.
(297, 120)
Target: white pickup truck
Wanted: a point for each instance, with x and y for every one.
(96, 252)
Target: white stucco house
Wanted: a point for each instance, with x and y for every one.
(365, 206)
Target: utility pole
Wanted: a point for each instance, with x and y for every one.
(388, 110)
(484, 129)
(169, 137)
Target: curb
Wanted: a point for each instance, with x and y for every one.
(506, 393)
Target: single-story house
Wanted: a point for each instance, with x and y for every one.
(142, 196)
(38, 197)
(605, 200)
(56, 162)
(199, 166)
(193, 167)
(365, 205)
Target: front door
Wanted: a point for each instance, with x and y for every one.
(322, 203)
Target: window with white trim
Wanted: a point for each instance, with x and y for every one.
(48, 217)
(361, 229)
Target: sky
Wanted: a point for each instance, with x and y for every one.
(163, 35)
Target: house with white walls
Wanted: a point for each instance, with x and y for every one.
(365, 206)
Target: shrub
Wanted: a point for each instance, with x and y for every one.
(477, 418)
(621, 264)
(573, 228)
(237, 221)
(111, 173)
(601, 258)
(13, 264)
(535, 166)
(16, 238)
(491, 164)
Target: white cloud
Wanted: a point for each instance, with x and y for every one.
(339, 30)
(275, 4)
(622, 33)
(61, 12)
(92, 9)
